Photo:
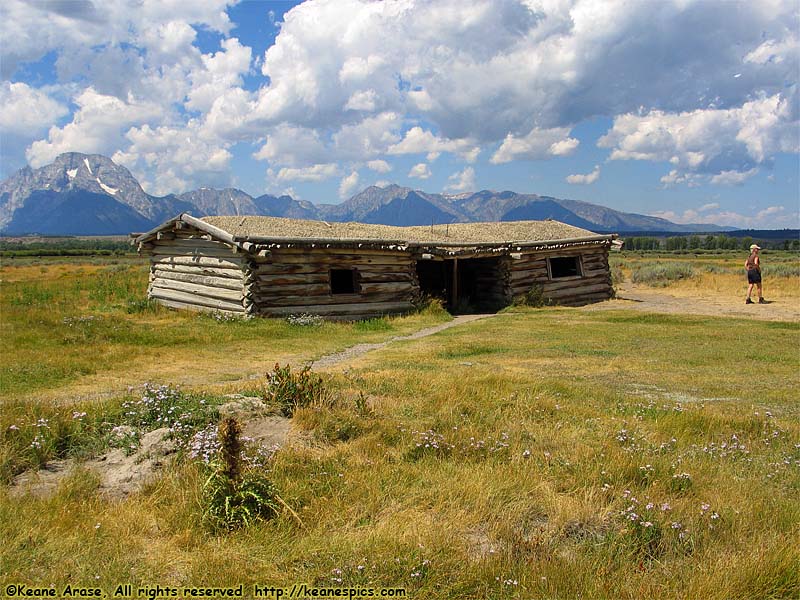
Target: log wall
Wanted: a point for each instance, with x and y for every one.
(297, 280)
(593, 286)
(190, 270)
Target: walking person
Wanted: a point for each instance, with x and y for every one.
(753, 266)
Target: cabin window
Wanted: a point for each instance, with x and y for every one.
(561, 267)
(344, 281)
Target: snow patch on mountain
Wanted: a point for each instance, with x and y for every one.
(72, 173)
(88, 168)
(106, 188)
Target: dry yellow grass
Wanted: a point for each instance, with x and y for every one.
(546, 417)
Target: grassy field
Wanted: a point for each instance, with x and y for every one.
(712, 274)
(543, 453)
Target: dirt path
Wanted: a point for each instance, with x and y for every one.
(352, 352)
(643, 298)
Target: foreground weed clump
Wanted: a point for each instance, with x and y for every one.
(292, 390)
(234, 498)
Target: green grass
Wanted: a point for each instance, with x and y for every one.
(500, 459)
(69, 322)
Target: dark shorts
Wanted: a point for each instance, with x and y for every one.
(753, 276)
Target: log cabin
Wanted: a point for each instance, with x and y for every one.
(269, 266)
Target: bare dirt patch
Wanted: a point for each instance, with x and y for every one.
(631, 296)
(120, 475)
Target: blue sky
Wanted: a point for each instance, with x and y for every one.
(686, 109)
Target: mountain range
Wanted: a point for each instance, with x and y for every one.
(89, 194)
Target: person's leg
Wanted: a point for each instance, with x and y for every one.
(750, 290)
(760, 292)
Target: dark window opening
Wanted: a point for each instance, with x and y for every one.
(564, 266)
(344, 281)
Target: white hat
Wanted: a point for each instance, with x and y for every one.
(755, 247)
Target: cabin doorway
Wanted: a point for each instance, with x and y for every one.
(465, 285)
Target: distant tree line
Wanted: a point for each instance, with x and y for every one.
(705, 242)
(64, 247)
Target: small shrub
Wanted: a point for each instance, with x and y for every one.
(662, 274)
(534, 297)
(781, 270)
(617, 275)
(430, 305)
(291, 390)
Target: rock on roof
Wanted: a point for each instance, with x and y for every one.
(265, 228)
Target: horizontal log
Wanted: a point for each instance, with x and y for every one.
(218, 282)
(305, 300)
(218, 263)
(574, 292)
(209, 252)
(196, 243)
(196, 308)
(202, 290)
(586, 299)
(373, 309)
(299, 268)
(290, 279)
(518, 272)
(321, 289)
(596, 272)
(530, 280)
(370, 277)
(324, 277)
(334, 251)
(594, 264)
(193, 234)
(227, 273)
(194, 299)
(345, 260)
(557, 284)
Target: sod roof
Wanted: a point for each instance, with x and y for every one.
(255, 228)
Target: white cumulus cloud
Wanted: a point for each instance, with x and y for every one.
(420, 171)
(379, 166)
(318, 172)
(463, 181)
(26, 110)
(166, 159)
(586, 179)
(97, 127)
(708, 141)
(733, 177)
(348, 185)
(538, 144)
